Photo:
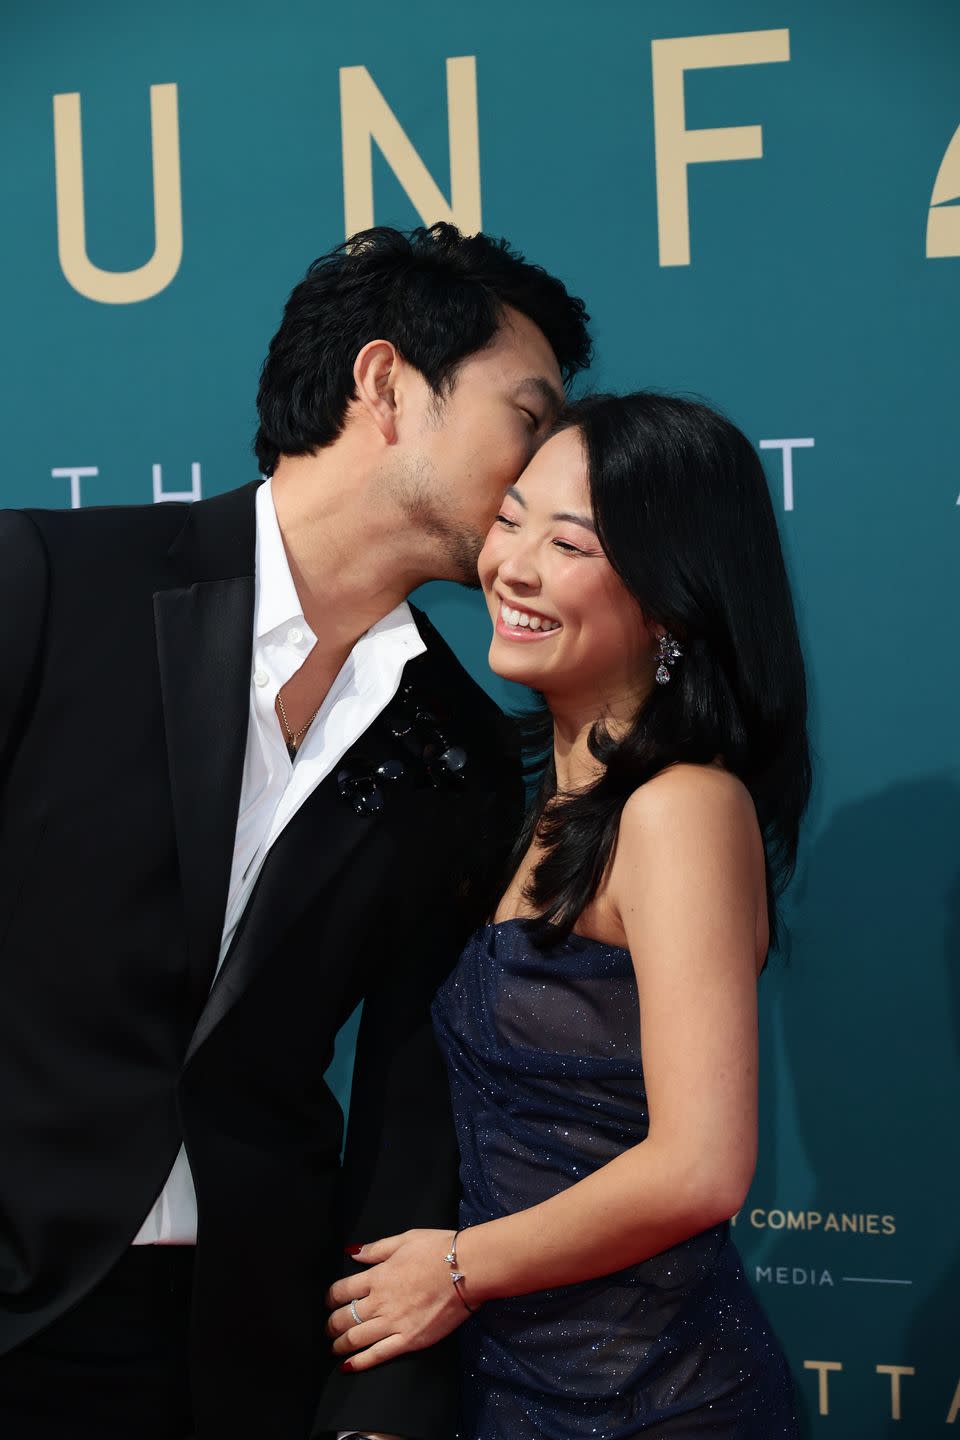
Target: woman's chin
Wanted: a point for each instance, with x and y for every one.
(514, 663)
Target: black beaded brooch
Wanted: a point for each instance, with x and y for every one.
(430, 757)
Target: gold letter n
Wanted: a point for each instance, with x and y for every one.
(119, 287)
(365, 116)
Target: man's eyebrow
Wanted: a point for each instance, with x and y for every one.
(548, 393)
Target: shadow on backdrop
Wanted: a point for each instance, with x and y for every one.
(868, 1017)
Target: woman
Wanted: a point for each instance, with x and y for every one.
(600, 1032)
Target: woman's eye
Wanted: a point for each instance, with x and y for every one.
(503, 520)
(566, 546)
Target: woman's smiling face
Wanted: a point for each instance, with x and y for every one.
(564, 623)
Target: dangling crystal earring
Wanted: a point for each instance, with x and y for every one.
(668, 653)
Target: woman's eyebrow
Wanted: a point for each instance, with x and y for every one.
(583, 520)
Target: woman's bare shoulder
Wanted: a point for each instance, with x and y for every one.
(688, 797)
(689, 842)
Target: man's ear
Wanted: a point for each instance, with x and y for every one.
(375, 372)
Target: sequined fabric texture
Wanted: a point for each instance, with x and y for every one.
(543, 1054)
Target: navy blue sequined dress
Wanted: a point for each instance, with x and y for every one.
(543, 1052)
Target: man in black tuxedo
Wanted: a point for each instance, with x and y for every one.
(243, 787)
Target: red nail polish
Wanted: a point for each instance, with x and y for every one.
(353, 1249)
(347, 1366)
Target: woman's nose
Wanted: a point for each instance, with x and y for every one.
(518, 570)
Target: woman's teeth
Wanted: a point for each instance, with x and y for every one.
(525, 620)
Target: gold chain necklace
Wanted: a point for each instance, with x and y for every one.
(294, 737)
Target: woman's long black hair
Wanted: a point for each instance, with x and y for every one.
(683, 513)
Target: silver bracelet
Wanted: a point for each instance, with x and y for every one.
(456, 1274)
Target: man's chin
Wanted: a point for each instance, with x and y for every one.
(464, 556)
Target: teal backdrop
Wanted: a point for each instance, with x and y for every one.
(817, 305)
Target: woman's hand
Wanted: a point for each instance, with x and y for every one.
(406, 1300)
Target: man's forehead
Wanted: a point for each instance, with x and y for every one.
(523, 334)
(518, 361)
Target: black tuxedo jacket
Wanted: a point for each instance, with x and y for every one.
(125, 657)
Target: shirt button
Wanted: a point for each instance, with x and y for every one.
(295, 635)
(261, 678)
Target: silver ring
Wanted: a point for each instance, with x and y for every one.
(355, 1313)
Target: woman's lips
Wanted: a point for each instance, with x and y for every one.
(524, 633)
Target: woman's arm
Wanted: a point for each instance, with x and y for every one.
(687, 882)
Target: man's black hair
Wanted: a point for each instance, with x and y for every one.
(437, 295)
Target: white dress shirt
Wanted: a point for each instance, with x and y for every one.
(274, 787)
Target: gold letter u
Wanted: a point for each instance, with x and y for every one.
(119, 287)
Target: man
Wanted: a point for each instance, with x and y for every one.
(243, 787)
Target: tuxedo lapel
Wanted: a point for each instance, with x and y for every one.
(204, 644)
(322, 839)
(326, 840)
